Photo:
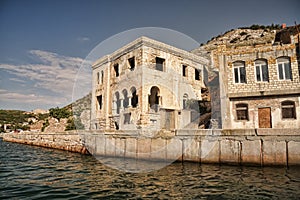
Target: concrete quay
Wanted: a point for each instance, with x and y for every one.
(262, 147)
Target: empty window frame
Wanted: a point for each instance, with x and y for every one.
(184, 101)
(284, 68)
(262, 72)
(288, 110)
(99, 99)
(102, 77)
(116, 68)
(159, 64)
(98, 77)
(241, 111)
(131, 62)
(239, 71)
(184, 70)
(197, 74)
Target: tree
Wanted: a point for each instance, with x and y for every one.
(59, 113)
(74, 124)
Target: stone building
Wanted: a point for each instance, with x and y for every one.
(260, 84)
(147, 84)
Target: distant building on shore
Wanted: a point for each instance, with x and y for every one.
(40, 111)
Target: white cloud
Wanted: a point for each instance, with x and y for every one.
(83, 39)
(15, 97)
(17, 80)
(55, 74)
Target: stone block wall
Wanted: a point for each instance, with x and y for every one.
(262, 147)
(238, 147)
(249, 55)
(69, 141)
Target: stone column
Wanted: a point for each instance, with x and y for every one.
(129, 102)
(121, 104)
(114, 107)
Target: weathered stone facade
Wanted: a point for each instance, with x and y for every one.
(146, 84)
(260, 82)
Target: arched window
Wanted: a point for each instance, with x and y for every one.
(239, 72)
(284, 68)
(134, 97)
(126, 99)
(154, 98)
(184, 102)
(261, 69)
(241, 111)
(288, 110)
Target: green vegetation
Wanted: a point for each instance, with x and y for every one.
(14, 119)
(74, 124)
(17, 119)
(268, 27)
(59, 113)
(45, 124)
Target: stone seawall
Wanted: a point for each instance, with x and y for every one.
(69, 140)
(261, 147)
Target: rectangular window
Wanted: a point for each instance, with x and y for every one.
(284, 69)
(116, 68)
(99, 99)
(131, 62)
(239, 74)
(262, 73)
(127, 118)
(197, 74)
(236, 75)
(102, 77)
(288, 110)
(265, 73)
(184, 70)
(258, 74)
(242, 112)
(159, 64)
(242, 75)
(287, 71)
(98, 77)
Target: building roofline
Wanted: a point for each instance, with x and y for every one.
(145, 41)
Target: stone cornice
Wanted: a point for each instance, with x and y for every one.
(264, 93)
(147, 42)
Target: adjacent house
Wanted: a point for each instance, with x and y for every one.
(259, 78)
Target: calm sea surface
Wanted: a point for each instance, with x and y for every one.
(28, 172)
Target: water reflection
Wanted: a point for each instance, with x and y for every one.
(28, 172)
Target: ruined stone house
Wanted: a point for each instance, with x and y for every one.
(259, 78)
(146, 84)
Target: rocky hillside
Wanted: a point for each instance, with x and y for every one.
(81, 109)
(72, 116)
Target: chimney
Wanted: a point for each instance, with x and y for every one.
(283, 25)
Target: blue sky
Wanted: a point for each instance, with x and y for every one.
(43, 42)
